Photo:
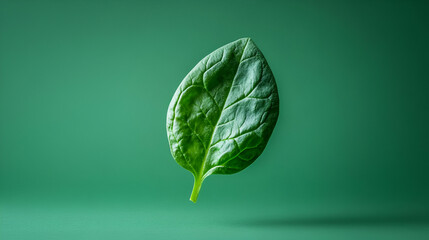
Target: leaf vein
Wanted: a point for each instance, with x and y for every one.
(220, 115)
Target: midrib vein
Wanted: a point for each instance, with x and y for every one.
(200, 174)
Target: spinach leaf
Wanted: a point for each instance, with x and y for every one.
(223, 113)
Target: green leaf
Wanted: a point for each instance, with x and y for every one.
(223, 113)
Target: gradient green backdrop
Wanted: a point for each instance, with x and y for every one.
(84, 91)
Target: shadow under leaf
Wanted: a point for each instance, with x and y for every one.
(326, 221)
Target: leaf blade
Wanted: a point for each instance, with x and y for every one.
(229, 102)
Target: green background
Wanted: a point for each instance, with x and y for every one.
(84, 91)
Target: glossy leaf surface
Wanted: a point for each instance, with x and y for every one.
(223, 113)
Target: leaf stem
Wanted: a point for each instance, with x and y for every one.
(196, 190)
